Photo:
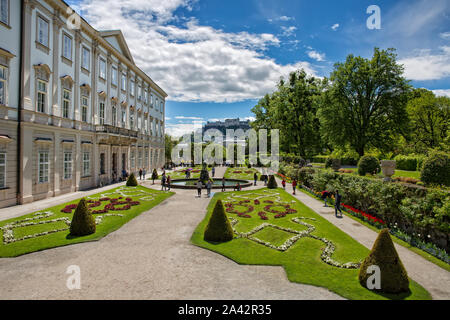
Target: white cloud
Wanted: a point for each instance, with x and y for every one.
(442, 92)
(335, 26)
(427, 65)
(445, 35)
(316, 55)
(192, 62)
(288, 31)
(281, 18)
(187, 118)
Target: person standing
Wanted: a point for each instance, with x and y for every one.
(255, 178)
(223, 184)
(283, 183)
(144, 172)
(168, 182)
(337, 204)
(199, 188)
(266, 178)
(208, 187)
(163, 181)
(213, 171)
(294, 185)
(140, 174)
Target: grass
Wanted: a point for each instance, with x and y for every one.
(180, 174)
(62, 238)
(420, 252)
(246, 173)
(302, 261)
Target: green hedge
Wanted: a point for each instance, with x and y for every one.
(345, 161)
(320, 159)
(436, 169)
(409, 163)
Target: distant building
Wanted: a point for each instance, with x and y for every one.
(222, 126)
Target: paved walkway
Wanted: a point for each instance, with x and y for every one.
(432, 277)
(150, 257)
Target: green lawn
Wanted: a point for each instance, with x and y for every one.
(241, 173)
(302, 261)
(181, 173)
(398, 173)
(44, 221)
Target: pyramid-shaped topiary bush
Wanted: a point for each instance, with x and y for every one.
(132, 182)
(219, 227)
(83, 223)
(272, 184)
(394, 278)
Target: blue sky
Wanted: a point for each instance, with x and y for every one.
(217, 58)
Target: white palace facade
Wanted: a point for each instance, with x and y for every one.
(75, 110)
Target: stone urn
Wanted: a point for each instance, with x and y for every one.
(388, 169)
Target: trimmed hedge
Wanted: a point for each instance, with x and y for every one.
(409, 163)
(132, 182)
(368, 164)
(436, 169)
(320, 159)
(393, 276)
(83, 223)
(333, 163)
(219, 228)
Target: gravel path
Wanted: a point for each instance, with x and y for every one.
(150, 257)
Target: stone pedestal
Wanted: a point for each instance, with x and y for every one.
(388, 169)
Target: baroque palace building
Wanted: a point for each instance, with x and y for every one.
(75, 110)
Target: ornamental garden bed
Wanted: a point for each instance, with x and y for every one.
(311, 249)
(49, 228)
(241, 173)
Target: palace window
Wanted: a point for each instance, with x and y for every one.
(86, 59)
(132, 87)
(3, 82)
(102, 163)
(145, 96)
(139, 123)
(114, 115)
(43, 31)
(84, 108)
(86, 164)
(151, 100)
(101, 111)
(133, 159)
(114, 76)
(4, 11)
(2, 170)
(124, 82)
(124, 118)
(66, 103)
(102, 69)
(139, 93)
(43, 165)
(140, 158)
(67, 47)
(41, 96)
(68, 165)
(131, 121)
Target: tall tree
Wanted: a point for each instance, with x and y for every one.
(430, 119)
(365, 104)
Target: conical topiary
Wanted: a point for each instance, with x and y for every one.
(394, 278)
(272, 184)
(132, 182)
(83, 223)
(219, 227)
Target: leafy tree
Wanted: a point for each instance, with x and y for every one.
(365, 102)
(430, 119)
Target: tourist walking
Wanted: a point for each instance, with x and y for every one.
(223, 184)
(294, 185)
(325, 195)
(266, 178)
(283, 183)
(213, 171)
(255, 178)
(208, 188)
(163, 181)
(199, 188)
(143, 173)
(140, 174)
(337, 204)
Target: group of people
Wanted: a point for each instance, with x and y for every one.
(208, 185)
(294, 185)
(142, 173)
(165, 181)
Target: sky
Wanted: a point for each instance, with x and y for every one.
(217, 58)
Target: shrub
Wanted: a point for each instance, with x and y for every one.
(333, 163)
(436, 169)
(219, 227)
(394, 278)
(83, 223)
(132, 182)
(368, 164)
(409, 163)
(320, 159)
(272, 184)
(262, 177)
(305, 174)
